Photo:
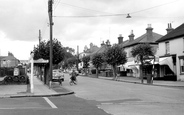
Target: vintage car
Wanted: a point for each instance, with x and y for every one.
(57, 76)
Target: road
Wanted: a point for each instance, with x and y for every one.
(64, 105)
(120, 98)
(95, 96)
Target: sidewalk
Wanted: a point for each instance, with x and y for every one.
(40, 90)
(138, 81)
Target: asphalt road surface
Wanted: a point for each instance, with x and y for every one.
(64, 105)
(120, 98)
(100, 97)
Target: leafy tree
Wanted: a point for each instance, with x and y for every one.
(71, 61)
(67, 57)
(85, 61)
(97, 61)
(42, 50)
(142, 52)
(115, 56)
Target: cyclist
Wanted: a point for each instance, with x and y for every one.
(73, 76)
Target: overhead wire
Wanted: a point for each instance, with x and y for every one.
(45, 24)
(153, 7)
(85, 8)
(56, 3)
(110, 14)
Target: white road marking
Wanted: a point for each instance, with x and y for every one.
(106, 103)
(50, 102)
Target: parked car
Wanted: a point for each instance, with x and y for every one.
(57, 75)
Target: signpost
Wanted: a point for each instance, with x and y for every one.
(31, 78)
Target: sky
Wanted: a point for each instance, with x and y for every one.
(81, 22)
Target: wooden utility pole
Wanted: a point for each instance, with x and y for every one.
(39, 37)
(50, 3)
(77, 58)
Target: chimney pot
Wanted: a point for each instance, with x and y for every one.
(149, 32)
(131, 36)
(120, 39)
(102, 44)
(169, 29)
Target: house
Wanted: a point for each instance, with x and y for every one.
(87, 51)
(149, 37)
(8, 61)
(171, 52)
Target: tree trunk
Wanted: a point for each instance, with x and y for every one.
(141, 74)
(97, 72)
(114, 72)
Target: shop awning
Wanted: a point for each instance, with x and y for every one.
(41, 60)
(131, 65)
(167, 61)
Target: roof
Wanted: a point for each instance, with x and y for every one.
(100, 50)
(8, 58)
(144, 39)
(1, 57)
(176, 33)
(124, 43)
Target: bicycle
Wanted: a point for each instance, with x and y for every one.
(73, 81)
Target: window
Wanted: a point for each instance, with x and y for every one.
(183, 44)
(181, 65)
(167, 47)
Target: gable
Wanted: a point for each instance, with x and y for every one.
(176, 33)
(144, 39)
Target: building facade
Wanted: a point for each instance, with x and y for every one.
(150, 37)
(171, 49)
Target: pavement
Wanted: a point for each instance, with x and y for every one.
(42, 90)
(39, 90)
(138, 81)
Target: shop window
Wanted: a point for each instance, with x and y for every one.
(167, 47)
(181, 65)
(183, 44)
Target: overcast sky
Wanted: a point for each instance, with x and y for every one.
(20, 21)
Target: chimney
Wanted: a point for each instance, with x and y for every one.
(169, 29)
(149, 32)
(120, 39)
(131, 36)
(102, 44)
(108, 43)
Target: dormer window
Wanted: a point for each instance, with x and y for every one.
(167, 47)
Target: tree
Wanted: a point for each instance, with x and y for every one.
(42, 51)
(97, 61)
(115, 56)
(142, 52)
(72, 61)
(85, 61)
(67, 57)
